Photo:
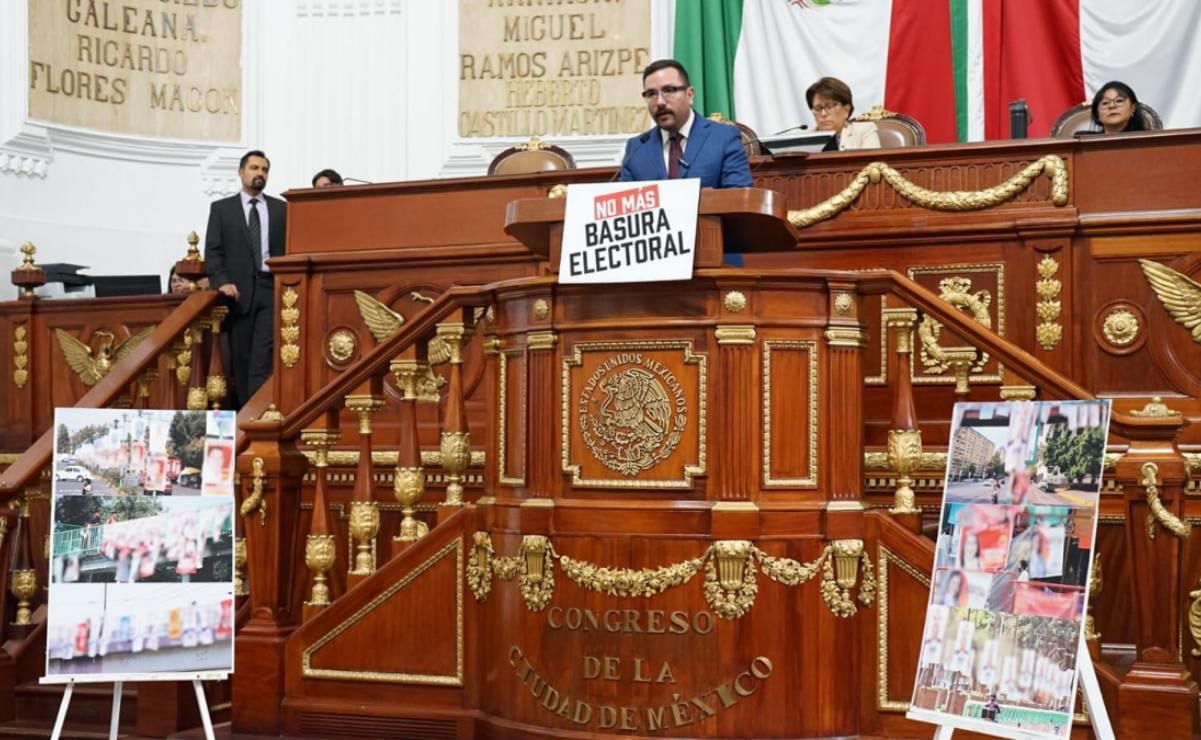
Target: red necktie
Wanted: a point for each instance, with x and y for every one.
(674, 154)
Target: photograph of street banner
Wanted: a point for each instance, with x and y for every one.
(1012, 560)
(113, 452)
(106, 631)
(134, 539)
(141, 545)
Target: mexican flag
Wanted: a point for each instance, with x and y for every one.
(954, 65)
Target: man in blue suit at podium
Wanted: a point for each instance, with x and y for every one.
(682, 144)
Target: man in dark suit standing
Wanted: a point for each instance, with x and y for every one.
(243, 231)
(683, 144)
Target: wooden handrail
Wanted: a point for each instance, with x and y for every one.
(29, 465)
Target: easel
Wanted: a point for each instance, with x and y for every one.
(1097, 715)
(201, 702)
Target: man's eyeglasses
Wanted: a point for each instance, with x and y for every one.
(1112, 102)
(825, 107)
(667, 91)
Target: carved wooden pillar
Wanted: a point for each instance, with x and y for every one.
(271, 471)
(904, 437)
(409, 481)
(842, 417)
(198, 398)
(1158, 696)
(319, 548)
(736, 403)
(23, 578)
(8, 667)
(215, 386)
(364, 512)
(456, 439)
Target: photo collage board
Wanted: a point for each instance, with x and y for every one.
(141, 545)
(1011, 567)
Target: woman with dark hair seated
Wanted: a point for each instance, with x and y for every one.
(830, 100)
(1115, 109)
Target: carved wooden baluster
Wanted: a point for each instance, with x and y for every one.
(197, 394)
(319, 549)
(141, 396)
(179, 364)
(23, 581)
(905, 437)
(1153, 474)
(216, 386)
(456, 439)
(410, 475)
(364, 512)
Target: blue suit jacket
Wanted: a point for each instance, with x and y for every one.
(713, 152)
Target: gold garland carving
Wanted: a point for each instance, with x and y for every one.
(289, 328)
(960, 200)
(255, 500)
(1159, 513)
(730, 583)
(479, 566)
(1049, 331)
(1194, 621)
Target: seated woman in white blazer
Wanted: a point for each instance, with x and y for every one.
(830, 100)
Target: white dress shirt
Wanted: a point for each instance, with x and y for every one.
(685, 132)
(263, 231)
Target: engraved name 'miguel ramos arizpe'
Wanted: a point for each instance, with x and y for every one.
(632, 413)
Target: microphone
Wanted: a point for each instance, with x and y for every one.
(355, 179)
(645, 137)
(802, 127)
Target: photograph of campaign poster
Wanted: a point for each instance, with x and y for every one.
(1011, 567)
(141, 563)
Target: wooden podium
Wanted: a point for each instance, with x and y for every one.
(734, 220)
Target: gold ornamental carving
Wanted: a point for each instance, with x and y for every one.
(850, 337)
(240, 560)
(1048, 287)
(289, 328)
(904, 456)
(541, 340)
(20, 356)
(89, 368)
(955, 290)
(631, 418)
(1179, 294)
(1120, 327)
(24, 587)
(730, 566)
(735, 334)
(1018, 392)
(408, 485)
(364, 525)
(734, 301)
(1194, 621)
(1159, 513)
(557, 191)
(198, 398)
(1155, 409)
(541, 309)
(255, 500)
(456, 456)
(1095, 583)
(843, 303)
(609, 403)
(341, 345)
(183, 358)
(319, 557)
(479, 566)
(964, 200)
(382, 322)
(3, 530)
(271, 413)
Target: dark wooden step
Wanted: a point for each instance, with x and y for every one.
(91, 704)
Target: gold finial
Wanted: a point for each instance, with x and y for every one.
(28, 250)
(193, 251)
(271, 414)
(1155, 409)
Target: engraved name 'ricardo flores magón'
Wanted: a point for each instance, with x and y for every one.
(631, 228)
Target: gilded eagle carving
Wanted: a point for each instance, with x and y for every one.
(91, 368)
(383, 322)
(1179, 294)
